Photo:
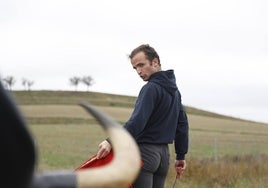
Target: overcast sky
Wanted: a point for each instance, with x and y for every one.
(218, 48)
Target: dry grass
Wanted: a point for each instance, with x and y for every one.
(229, 171)
(120, 114)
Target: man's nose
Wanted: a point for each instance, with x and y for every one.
(138, 70)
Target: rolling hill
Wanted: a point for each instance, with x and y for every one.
(95, 98)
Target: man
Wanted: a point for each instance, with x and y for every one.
(157, 120)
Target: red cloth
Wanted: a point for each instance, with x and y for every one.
(93, 162)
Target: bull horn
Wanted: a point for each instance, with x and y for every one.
(124, 167)
(119, 173)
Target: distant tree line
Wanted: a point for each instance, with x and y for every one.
(9, 82)
(87, 80)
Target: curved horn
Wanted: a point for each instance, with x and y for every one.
(125, 166)
(120, 172)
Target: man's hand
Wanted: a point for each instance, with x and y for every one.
(180, 166)
(104, 149)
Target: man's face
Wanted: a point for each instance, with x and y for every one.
(143, 66)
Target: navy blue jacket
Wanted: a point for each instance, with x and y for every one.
(159, 116)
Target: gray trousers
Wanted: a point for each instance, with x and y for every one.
(155, 167)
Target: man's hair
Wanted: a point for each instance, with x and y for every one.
(149, 52)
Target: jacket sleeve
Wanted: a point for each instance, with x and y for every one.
(181, 138)
(143, 109)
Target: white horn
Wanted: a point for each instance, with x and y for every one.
(119, 173)
(124, 167)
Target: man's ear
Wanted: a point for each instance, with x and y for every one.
(155, 62)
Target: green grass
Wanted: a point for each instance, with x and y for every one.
(223, 151)
(65, 146)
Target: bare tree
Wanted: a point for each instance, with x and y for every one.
(88, 81)
(10, 81)
(24, 83)
(75, 81)
(27, 84)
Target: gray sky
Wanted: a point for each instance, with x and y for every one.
(218, 49)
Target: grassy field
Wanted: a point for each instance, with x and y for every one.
(223, 152)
